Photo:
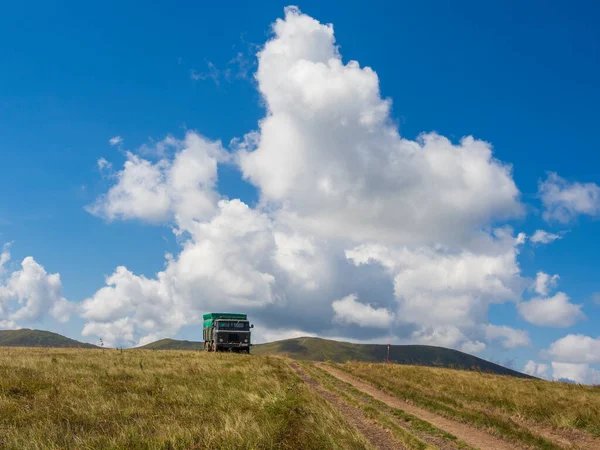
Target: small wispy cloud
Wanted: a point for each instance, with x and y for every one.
(544, 237)
(105, 168)
(239, 67)
(4, 256)
(103, 164)
(596, 298)
(211, 74)
(115, 140)
(242, 65)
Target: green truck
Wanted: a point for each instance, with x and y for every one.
(226, 332)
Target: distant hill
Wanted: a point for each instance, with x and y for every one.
(173, 344)
(38, 338)
(317, 349)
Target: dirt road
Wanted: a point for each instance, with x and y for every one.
(378, 437)
(473, 437)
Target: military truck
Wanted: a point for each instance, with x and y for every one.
(226, 332)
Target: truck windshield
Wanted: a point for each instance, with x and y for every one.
(233, 325)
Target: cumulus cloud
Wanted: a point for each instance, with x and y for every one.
(550, 311)
(348, 210)
(349, 310)
(446, 336)
(536, 369)
(509, 337)
(579, 373)
(113, 334)
(226, 264)
(555, 311)
(115, 140)
(575, 348)
(544, 282)
(438, 287)
(181, 189)
(35, 293)
(563, 200)
(328, 152)
(544, 237)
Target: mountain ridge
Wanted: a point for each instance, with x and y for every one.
(319, 349)
(26, 337)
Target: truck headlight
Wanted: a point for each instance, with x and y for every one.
(245, 340)
(220, 339)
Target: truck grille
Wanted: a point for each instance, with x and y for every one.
(232, 338)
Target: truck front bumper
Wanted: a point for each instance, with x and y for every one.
(233, 345)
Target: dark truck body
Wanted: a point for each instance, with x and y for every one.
(226, 332)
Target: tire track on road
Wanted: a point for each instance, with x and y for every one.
(470, 435)
(377, 436)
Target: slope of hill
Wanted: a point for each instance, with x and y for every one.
(38, 338)
(140, 399)
(173, 344)
(317, 349)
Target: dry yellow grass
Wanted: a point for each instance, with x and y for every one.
(74, 398)
(518, 409)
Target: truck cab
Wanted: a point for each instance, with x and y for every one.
(226, 332)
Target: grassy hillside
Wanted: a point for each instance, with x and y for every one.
(521, 410)
(37, 338)
(79, 398)
(173, 344)
(316, 349)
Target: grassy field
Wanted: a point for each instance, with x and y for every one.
(83, 398)
(526, 411)
(413, 430)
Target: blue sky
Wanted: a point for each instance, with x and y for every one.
(523, 78)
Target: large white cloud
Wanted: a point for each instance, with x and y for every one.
(563, 201)
(550, 311)
(347, 207)
(575, 348)
(225, 264)
(437, 287)
(29, 294)
(113, 334)
(446, 336)
(555, 311)
(580, 373)
(329, 154)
